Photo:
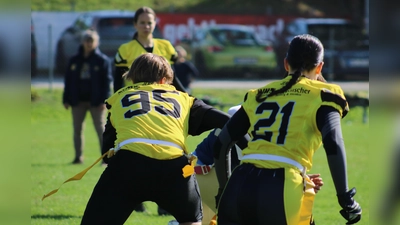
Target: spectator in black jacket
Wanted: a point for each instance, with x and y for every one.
(86, 86)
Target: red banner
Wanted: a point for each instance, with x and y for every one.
(176, 27)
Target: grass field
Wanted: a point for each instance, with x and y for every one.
(52, 152)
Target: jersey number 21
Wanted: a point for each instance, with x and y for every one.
(266, 123)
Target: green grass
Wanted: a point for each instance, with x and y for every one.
(52, 151)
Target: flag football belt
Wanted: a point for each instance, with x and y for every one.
(203, 170)
(282, 159)
(113, 151)
(187, 170)
(276, 158)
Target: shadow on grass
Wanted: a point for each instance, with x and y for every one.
(55, 217)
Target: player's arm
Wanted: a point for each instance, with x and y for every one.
(204, 117)
(328, 122)
(109, 136)
(235, 129)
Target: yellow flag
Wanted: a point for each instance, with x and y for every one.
(189, 169)
(76, 177)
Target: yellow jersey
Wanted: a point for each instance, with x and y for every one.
(285, 124)
(151, 113)
(129, 51)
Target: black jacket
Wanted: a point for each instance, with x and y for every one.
(100, 78)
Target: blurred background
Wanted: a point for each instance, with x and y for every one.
(248, 40)
(52, 23)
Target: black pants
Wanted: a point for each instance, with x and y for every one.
(253, 196)
(132, 178)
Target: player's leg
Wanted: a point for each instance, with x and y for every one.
(228, 209)
(261, 196)
(179, 196)
(113, 197)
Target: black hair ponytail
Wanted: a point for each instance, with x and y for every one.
(305, 53)
(288, 85)
(260, 93)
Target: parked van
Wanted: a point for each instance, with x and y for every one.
(346, 46)
(115, 27)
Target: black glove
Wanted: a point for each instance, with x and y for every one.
(218, 196)
(351, 210)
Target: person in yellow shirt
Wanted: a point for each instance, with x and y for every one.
(287, 121)
(207, 179)
(146, 129)
(143, 41)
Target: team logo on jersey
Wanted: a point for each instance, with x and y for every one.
(266, 90)
(298, 91)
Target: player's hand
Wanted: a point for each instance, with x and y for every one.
(317, 180)
(351, 210)
(218, 196)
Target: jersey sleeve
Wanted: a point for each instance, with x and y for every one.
(120, 59)
(204, 117)
(334, 97)
(172, 51)
(120, 67)
(246, 105)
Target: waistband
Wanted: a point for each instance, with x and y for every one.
(148, 141)
(276, 158)
(114, 150)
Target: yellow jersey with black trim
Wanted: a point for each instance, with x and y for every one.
(285, 124)
(129, 51)
(156, 112)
